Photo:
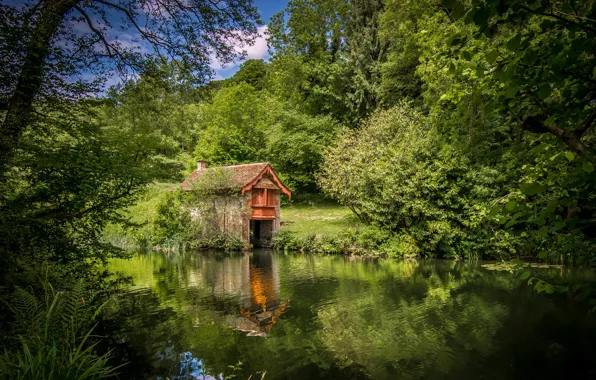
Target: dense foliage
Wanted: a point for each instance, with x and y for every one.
(72, 154)
(55, 336)
(451, 128)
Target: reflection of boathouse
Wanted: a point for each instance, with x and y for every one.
(253, 280)
(253, 212)
(265, 306)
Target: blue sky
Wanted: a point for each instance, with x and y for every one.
(267, 8)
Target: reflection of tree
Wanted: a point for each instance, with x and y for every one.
(411, 338)
(193, 303)
(386, 319)
(402, 319)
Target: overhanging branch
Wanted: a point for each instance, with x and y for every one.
(99, 34)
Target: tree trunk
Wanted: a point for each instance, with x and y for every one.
(20, 106)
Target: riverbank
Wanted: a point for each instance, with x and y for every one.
(330, 228)
(307, 226)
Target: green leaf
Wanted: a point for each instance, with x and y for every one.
(524, 275)
(467, 55)
(511, 205)
(470, 16)
(546, 24)
(511, 91)
(488, 108)
(543, 231)
(514, 43)
(561, 288)
(492, 56)
(529, 57)
(459, 11)
(481, 16)
(449, 3)
(551, 120)
(570, 156)
(511, 223)
(588, 167)
(544, 91)
(532, 188)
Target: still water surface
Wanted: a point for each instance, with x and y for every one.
(330, 317)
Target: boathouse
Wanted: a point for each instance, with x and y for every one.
(250, 208)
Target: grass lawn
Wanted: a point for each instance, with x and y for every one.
(309, 219)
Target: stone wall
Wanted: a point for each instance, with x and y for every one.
(232, 213)
(222, 214)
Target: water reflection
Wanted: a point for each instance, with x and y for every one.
(262, 310)
(300, 316)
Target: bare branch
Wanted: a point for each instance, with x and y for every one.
(154, 39)
(574, 16)
(95, 30)
(585, 125)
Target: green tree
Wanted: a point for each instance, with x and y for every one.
(232, 126)
(296, 143)
(397, 30)
(540, 63)
(253, 72)
(308, 67)
(366, 53)
(45, 47)
(399, 174)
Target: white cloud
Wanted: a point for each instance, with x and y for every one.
(258, 50)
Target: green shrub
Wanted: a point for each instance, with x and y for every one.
(400, 246)
(398, 174)
(368, 240)
(218, 240)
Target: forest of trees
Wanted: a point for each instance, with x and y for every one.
(457, 128)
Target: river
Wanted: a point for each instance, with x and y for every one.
(296, 316)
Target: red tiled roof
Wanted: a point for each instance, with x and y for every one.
(240, 175)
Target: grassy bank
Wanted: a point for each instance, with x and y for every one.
(305, 219)
(307, 226)
(328, 228)
(141, 216)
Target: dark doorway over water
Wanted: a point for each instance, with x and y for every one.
(261, 232)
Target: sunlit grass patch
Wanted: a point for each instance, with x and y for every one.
(311, 219)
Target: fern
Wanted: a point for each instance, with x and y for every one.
(25, 307)
(54, 337)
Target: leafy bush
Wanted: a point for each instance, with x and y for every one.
(363, 241)
(398, 174)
